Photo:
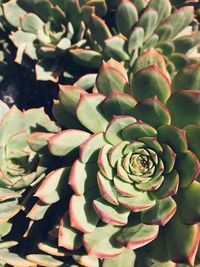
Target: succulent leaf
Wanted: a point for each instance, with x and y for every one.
(182, 252)
(97, 122)
(127, 256)
(101, 242)
(135, 236)
(71, 142)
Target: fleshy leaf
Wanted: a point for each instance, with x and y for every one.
(190, 197)
(100, 31)
(182, 241)
(53, 187)
(111, 78)
(38, 141)
(30, 22)
(148, 58)
(121, 171)
(117, 152)
(152, 143)
(69, 97)
(184, 107)
(12, 13)
(64, 142)
(51, 247)
(65, 111)
(115, 47)
(90, 148)
(38, 211)
(100, 7)
(5, 228)
(44, 260)
(137, 130)
(120, 103)
(86, 81)
(90, 104)
(45, 72)
(124, 188)
(152, 184)
(103, 161)
(82, 215)
(155, 253)
(162, 7)
(107, 189)
(187, 79)
(193, 137)
(136, 39)
(85, 260)
(8, 210)
(87, 58)
(118, 66)
(165, 32)
(168, 157)
(3, 109)
(116, 215)
(9, 128)
(140, 202)
(6, 194)
(173, 137)
(169, 186)
(161, 213)
(181, 18)
(137, 235)
(148, 20)
(188, 168)
(82, 176)
(152, 111)
(114, 131)
(68, 237)
(133, 146)
(150, 82)
(14, 259)
(7, 244)
(101, 242)
(127, 256)
(126, 15)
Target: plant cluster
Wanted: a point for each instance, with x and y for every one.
(128, 185)
(112, 177)
(52, 33)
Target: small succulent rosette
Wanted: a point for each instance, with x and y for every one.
(131, 27)
(20, 166)
(136, 180)
(45, 31)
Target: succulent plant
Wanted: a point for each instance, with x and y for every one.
(47, 33)
(131, 27)
(46, 30)
(20, 167)
(133, 171)
(194, 3)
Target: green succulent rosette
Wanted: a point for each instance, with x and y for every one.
(20, 167)
(130, 27)
(45, 31)
(52, 33)
(135, 173)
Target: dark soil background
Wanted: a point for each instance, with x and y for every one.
(20, 87)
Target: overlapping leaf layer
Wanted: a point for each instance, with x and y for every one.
(128, 187)
(52, 33)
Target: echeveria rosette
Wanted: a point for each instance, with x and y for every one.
(131, 27)
(127, 181)
(20, 166)
(45, 32)
(163, 141)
